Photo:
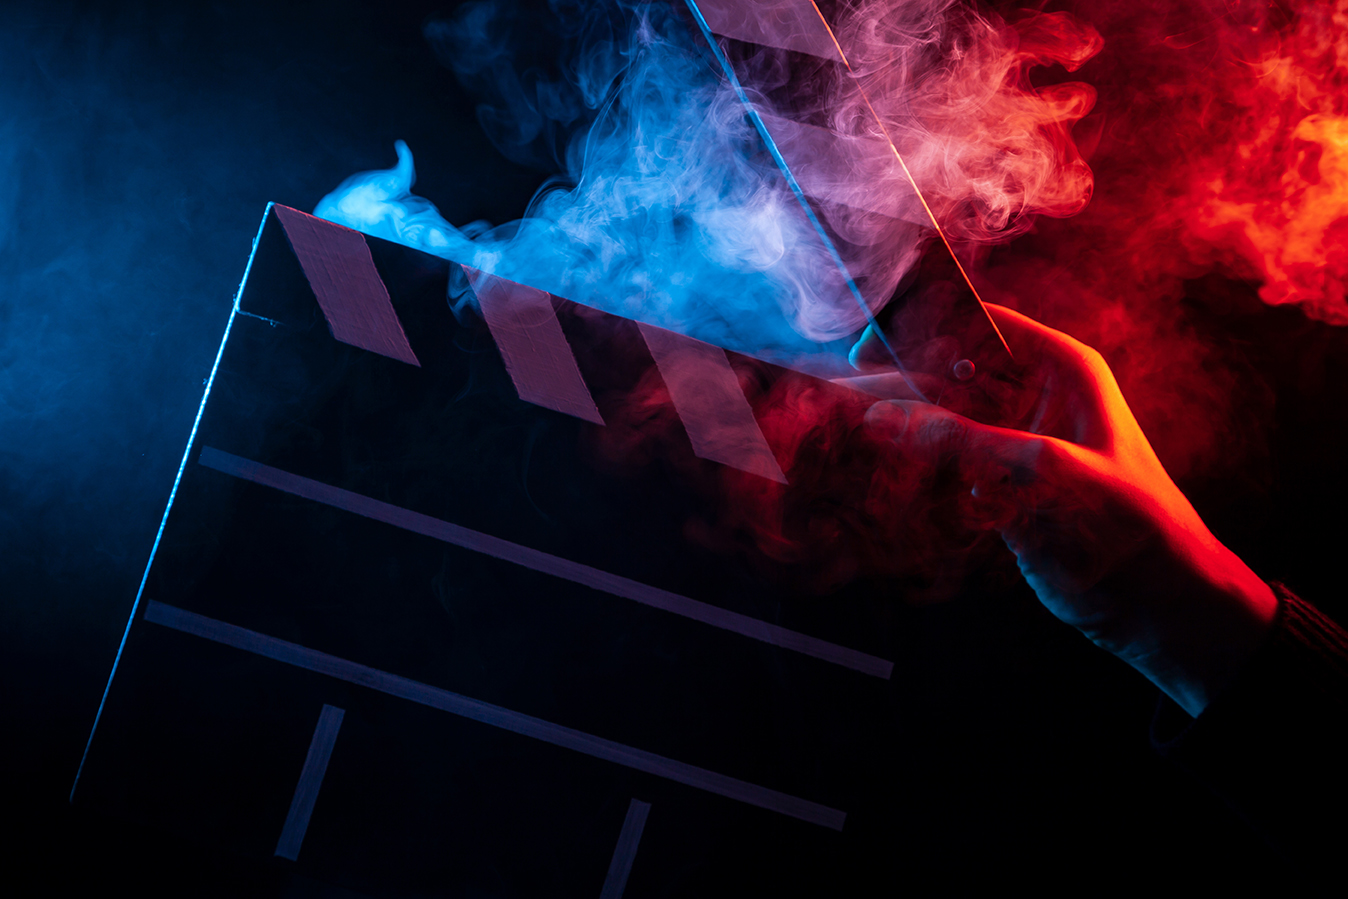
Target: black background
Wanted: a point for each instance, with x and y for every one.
(139, 143)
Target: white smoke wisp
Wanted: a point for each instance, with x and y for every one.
(951, 87)
(670, 211)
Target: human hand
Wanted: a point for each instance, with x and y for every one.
(1100, 531)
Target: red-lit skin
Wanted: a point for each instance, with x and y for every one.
(905, 492)
(1100, 531)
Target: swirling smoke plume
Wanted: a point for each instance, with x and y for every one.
(1145, 158)
(667, 207)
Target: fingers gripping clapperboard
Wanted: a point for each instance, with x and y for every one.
(401, 628)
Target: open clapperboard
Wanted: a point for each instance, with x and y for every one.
(400, 627)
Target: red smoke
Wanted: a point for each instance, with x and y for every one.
(1271, 193)
(1219, 147)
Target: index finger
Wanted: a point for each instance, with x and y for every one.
(1035, 338)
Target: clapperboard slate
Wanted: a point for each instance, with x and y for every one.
(402, 628)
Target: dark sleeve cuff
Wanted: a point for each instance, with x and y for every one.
(1274, 745)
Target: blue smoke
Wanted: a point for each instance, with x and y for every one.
(667, 210)
(667, 206)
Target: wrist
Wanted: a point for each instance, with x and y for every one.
(1202, 634)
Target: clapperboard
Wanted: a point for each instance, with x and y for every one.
(399, 628)
(939, 331)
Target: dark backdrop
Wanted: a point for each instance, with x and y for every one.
(139, 143)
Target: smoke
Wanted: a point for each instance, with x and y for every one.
(1218, 144)
(1274, 191)
(952, 87)
(1210, 139)
(667, 207)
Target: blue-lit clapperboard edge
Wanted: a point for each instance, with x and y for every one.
(403, 627)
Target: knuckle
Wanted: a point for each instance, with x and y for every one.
(1092, 357)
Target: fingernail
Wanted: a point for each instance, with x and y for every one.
(887, 419)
